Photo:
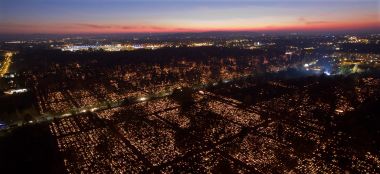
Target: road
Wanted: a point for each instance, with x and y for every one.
(6, 63)
(113, 104)
(106, 105)
(109, 104)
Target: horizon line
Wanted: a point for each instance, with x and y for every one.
(368, 30)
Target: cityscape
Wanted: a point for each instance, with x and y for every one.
(191, 90)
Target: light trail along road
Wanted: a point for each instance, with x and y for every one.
(6, 63)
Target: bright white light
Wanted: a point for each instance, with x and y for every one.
(15, 91)
(327, 73)
(66, 115)
(306, 65)
(142, 99)
(93, 109)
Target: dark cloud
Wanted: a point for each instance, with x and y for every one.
(317, 22)
(311, 22)
(95, 26)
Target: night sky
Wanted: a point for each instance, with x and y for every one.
(124, 16)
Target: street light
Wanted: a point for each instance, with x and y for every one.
(142, 99)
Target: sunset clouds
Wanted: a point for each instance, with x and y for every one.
(114, 16)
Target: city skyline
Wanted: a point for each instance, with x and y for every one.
(115, 16)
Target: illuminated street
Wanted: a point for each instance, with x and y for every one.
(6, 63)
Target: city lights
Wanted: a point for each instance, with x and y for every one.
(189, 87)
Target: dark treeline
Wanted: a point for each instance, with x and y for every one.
(361, 48)
(30, 149)
(40, 58)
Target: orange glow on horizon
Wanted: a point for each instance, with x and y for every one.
(114, 29)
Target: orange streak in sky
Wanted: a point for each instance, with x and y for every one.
(90, 28)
